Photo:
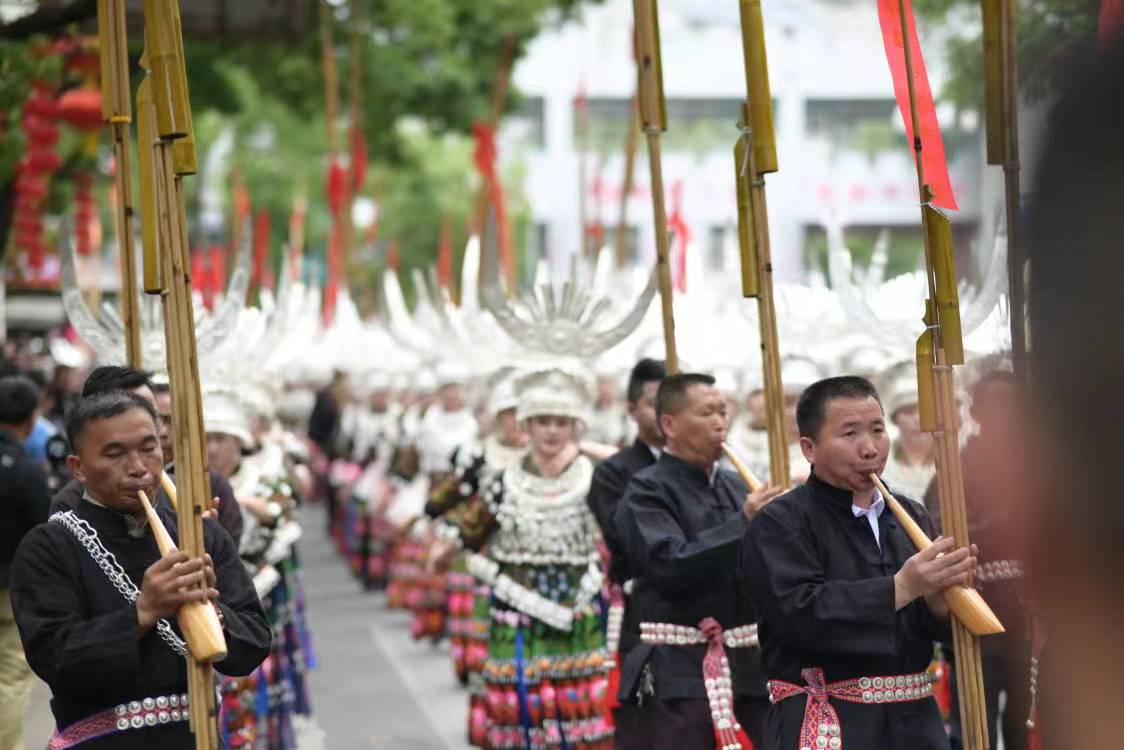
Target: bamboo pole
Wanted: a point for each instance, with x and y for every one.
(117, 111)
(653, 119)
(1001, 98)
(632, 131)
(969, 672)
(755, 155)
(483, 206)
(582, 128)
(173, 157)
(1016, 263)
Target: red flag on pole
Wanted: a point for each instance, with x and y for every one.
(677, 225)
(261, 247)
(932, 151)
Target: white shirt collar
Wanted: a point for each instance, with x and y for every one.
(877, 506)
(872, 514)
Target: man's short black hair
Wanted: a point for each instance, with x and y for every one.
(102, 406)
(673, 391)
(646, 371)
(812, 406)
(19, 396)
(114, 378)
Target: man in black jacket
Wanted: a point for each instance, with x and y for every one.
(96, 602)
(606, 490)
(695, 675)
(23, 505)
(848, 609)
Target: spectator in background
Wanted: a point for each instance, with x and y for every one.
(23, 505)
(324, 422)
(35, 446)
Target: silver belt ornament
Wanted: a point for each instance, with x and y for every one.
(151, 712)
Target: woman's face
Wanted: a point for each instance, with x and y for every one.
(224, 453)
(550, 434)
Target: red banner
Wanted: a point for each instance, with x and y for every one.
(261, 249)
(677, 225)
(485, 159)
(932, 151)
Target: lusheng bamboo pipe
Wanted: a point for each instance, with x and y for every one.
(966, 603)
(950, 481)
(173, 157)
(117, 111)
(653, 119)
(756, 155)
(755, 484)
(169, 489)
(198, 621)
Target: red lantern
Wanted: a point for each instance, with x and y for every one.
(81, 108)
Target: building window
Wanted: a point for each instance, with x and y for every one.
(865, 125)
(693, 125)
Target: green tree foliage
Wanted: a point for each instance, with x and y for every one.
(1054, 37)
(428, 73)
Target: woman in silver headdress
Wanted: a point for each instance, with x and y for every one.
(545, 675)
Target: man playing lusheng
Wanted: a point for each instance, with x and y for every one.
(95, 602)
(695, 675)
(848, 609)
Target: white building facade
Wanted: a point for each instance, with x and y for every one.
(840, 143)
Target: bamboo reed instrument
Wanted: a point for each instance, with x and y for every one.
(938, 349)
(653, 120)
(169, 489)
(166, 134)
(632, 130)
(755, 155)
(965, 602)
(117, 112)
(755, 484)
(1001, 99)
(198, 621)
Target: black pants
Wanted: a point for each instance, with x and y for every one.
(685, 724)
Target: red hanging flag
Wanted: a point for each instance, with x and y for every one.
(261, 247)
(485, 160)
(332, 287)
(677, 225)
(336, 187)
(932, 152)
(218, 269)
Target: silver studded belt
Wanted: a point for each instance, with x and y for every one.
(821, 729)
(999, 570)
(147, 712)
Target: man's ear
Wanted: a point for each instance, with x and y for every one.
(74, 464)
(666, 421)
(806, 446)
